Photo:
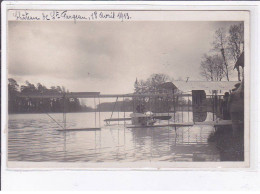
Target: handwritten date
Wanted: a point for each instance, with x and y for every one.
(72, 16)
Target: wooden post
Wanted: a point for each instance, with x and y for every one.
(177, 102)
(124, 109)
(213, 107)
(100, 135)
(182, 111)
(118, 115)
(64, 113)
(133, 101)
(188, 109)
(150, 109)
(99, 111)
(159, 106)
(95, 112)
(174, 106)
(168, 110)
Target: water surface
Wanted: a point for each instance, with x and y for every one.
(34, 137)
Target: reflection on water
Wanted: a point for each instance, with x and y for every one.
(33, 137)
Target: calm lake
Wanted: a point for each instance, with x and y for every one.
(34, 137)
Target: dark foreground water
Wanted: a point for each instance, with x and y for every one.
(33, 137)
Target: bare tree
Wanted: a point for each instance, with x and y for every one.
(236, 43)
(156, 79)
(212, 67)
(151, 84)
(220, 45)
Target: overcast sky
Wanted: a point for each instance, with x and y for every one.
(106, 56)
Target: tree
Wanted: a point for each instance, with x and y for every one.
(236, 43)
(12, 95)
(220, 45)
(27, 104)
(228, 44)
(12, 85)
(212, 67)
(157, 79)
(151, 84)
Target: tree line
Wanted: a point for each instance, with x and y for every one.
(17, 104)
(227, 47)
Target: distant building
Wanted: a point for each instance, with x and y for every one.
(189, 86)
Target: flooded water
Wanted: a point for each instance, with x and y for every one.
(34, 137)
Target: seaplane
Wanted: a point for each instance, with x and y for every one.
(141, 118)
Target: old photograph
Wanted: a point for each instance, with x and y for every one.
(127, 89)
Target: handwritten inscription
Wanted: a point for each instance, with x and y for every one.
(25, 16)
(70, 15)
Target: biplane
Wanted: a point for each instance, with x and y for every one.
(145, 112)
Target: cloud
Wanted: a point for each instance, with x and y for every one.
(106, 56)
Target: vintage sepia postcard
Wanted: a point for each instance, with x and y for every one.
(127, 89)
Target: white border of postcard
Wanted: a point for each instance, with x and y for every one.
(182, 179)
(143, 12)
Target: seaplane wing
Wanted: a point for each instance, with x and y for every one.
(61, 95)
(89, 95)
